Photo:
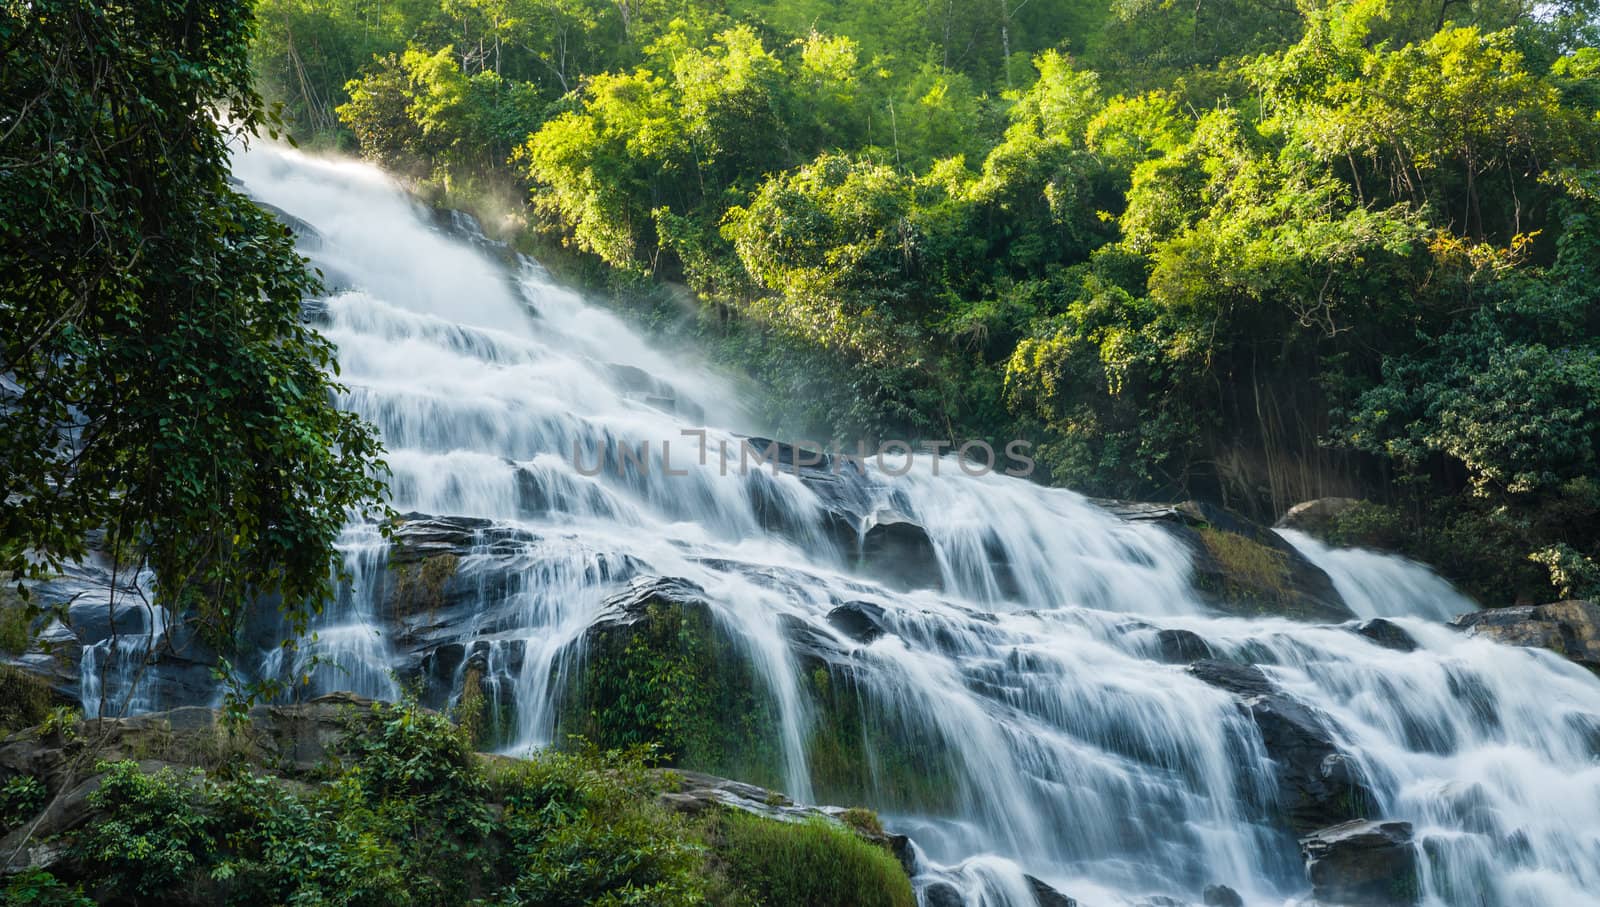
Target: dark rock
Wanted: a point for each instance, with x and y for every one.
(898, 551)
(1386, 633)
(1048, 896)
(1569, 628)
(942, 894)
(1362, 863)
(1182, 646)
(861, 621)
(1318, 785)
(1239, 679)
(1317, 516)
(1241, 567)
(291, 739)
(1221, 896)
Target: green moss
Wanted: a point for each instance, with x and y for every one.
(419, 587)
(1248, 572)
(863, 820)
(25, 699)
(678, 680)
(862, 750)
(807, 864)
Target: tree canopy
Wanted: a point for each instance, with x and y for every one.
(158, 381)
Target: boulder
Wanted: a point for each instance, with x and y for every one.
(1386, 633)
(1241, 567)
(1182, 646)
(942, 894)
(1047, 896)
(1220, 896)
(1317, 516)
(1318, 785)
(1569, 628)
(898, 551)
(862, 621)
(1362, 863)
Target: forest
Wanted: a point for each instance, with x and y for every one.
(1251, 253)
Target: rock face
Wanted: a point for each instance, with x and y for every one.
(1318, 785)
(1221, 896)
(1362, 863)
(290, 740)
(1569, 628)
(1316, 517)
(1243, 568)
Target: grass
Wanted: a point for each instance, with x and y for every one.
(807, 864)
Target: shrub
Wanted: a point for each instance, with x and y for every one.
(20, 800)
(151, 834)
(583, 828)
(38, 888)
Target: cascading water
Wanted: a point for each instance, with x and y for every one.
(1073, 750)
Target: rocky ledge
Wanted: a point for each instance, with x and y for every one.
(1569, 628)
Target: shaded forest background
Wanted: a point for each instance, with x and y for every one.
(1251, 252)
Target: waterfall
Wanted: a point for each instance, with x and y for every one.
(1031, 656)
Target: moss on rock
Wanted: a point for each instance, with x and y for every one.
(672, 676)
(860, 750)
(419, 587)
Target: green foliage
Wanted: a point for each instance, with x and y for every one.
(21, 798)
(406, 814)
(165, 387)
(151, 834)
(38, 888)
(582, 830)
(1245, 252)
(676, 680)
(808, 864)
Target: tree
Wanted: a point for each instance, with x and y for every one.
(158, 380)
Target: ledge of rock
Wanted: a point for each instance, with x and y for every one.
(1569, 628)
(1318, 784)
(1362, 863)
(1241, 567)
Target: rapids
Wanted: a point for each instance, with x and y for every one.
(1077, 755)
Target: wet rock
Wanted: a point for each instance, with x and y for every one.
(1569, 628)
(942, 894)
(1239, 679)
(1221, 896)
(1317, 516)
(898, 551)
(1387, 634)
(1318, 785)
(860, 620)
(1362, 863)
(1047, 896)
(418, 536)
(1182, 646)
(1241, 567)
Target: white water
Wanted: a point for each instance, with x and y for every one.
(1072, 753)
